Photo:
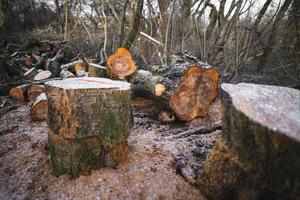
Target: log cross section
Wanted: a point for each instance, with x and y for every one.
(89, 121)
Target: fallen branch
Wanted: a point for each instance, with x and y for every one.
(199, 130)
(152, 39)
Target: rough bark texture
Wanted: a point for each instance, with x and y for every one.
(85, 111)
(39, 107)
(261, 138)
(185, 86)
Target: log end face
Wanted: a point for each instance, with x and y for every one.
(159, 89)
(274, 107)
(196, 92)
(89, 83)
(121, 64)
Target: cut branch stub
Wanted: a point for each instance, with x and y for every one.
(88, 110)
(121, 64)
(197, 90)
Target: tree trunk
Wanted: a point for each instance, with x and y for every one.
(3, 9)
(259, 147)
(185, 87)
(89, 121)
(135, 25)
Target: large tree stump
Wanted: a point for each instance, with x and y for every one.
(257, 156)
(89, 121)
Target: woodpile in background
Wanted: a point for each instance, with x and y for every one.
(183, 88)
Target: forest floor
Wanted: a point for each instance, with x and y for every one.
(160, 164)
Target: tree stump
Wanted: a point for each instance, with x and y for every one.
(89, 121)
(257, 156)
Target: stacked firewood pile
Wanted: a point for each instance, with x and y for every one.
(182, 89)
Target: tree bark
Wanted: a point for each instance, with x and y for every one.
(3, 9)
(135, 25)
(259, 147)
(185, 87)
(89, 121)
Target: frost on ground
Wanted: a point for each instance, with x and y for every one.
(159, 165)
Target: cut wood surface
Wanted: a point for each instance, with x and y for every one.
(186, 86)
(121, 64)
(39, 107)
(195, 93)
(42, 75)
(34, 91)
(83, 109)
(18, 93)
(260, 144)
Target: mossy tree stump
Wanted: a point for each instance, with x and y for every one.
(89, 121)
(257, 156)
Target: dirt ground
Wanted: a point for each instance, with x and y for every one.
(161, 162)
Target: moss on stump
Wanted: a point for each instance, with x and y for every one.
(259, 155)
(89, 121)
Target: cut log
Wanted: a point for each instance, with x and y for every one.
(195, 93)
(121, 64)
(89, 121)
(80, 65)
(96, 70)
(66, 74)
(71, 66)
(42, 75)
(19, 93)
(39, 107)
(29, 75)
(34, 91)
(260, 145)
(187, 98)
